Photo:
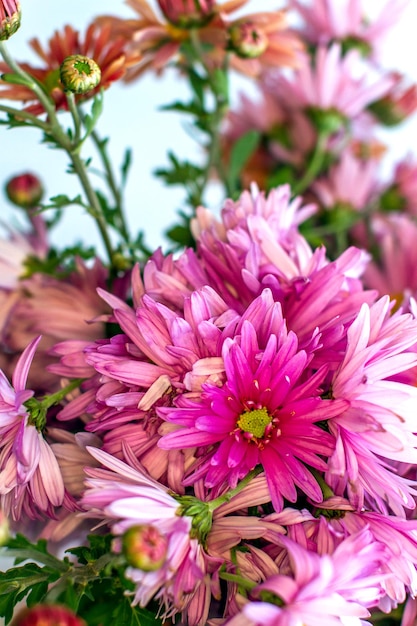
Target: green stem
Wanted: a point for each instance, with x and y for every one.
(248, 585)
(314, 166)
(47, 103)
(221, 105)
(72, 106)
(58, 396)
(24, 115)
(95, 207)
(226, 497)
(111, 181)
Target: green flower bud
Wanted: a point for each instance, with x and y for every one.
(247, 40)
(24, 190)
(79, 74)
(10, 17)
(144, 547)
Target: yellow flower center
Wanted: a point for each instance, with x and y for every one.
(254, 422)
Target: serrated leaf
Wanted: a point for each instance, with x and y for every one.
(241, 152)
(134, 616)
(17, 582)
(62, 200)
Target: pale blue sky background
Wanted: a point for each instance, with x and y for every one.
(131, 119)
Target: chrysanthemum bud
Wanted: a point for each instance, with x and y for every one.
(47, 615)
(4, 529)
(247, 39)
(144, 547)
(24, 190)
(187, 13)
(79, 74)
(10, 16)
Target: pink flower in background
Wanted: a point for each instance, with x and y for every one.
(30, 479)
(405, 184)
(395, 272)
(263, 413)
(346, 21)
(352, 182)
(127, 499)
(327, 590)
(378, 426)
(331, 83)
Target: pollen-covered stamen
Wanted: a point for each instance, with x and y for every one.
(255, 422)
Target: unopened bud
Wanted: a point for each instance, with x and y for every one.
(10, 16)
(4, 529)
(144, 547)
(187, 13)
(24, 190)
(47, 615)
(79, 74)
(247, 39)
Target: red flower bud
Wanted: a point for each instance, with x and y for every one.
(24, 190)
(187, 13)
(47, 615)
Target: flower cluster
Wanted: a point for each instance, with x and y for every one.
(225, 432)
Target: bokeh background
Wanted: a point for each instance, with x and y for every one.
(132, 118)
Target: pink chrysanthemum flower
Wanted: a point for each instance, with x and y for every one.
(395, 271)
(378, 426)
(322, 590)
(405, 185)
(265, 412)
(351, 183)
(334, 85)
(256, 237)
(345, 20)
(30, 478)
(127, 499)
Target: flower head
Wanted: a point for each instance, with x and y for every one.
(187, 13)
(30, 478)
(134, 505)
(10, 16)
(263, 413)
(79, 74)
(327, 590)
(109, 55)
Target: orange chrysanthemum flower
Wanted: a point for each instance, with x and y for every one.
(157, 40)
(98, 44)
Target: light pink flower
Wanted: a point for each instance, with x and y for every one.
(351, 182)
(325, 590)
(331, 83)
(395, 272)
(126, 497)
(30, 479)
(346, 21)
(379, 424)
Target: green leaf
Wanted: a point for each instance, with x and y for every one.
(17, 582)
(96, 109)
(134, 616)
(242, 150)
(127, 162)
(15, 79)
(98, 546)
(60, 201)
